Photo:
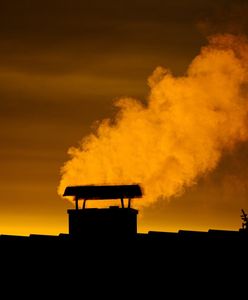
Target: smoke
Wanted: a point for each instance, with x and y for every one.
(179, 135)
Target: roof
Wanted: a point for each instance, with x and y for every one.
(95, 192)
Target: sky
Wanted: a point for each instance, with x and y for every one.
(63, 63)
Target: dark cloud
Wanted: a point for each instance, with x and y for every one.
(231, 17)
(77, 36)
(73, 35)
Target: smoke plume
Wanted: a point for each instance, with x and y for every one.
(179, 135)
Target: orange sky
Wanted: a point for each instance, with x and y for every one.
(61, 67)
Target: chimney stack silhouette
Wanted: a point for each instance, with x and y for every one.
(115, 221)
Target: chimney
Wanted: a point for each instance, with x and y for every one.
(115, 222)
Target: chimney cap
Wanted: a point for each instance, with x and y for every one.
(100, 192)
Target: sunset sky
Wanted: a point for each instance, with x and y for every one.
(63, 63)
